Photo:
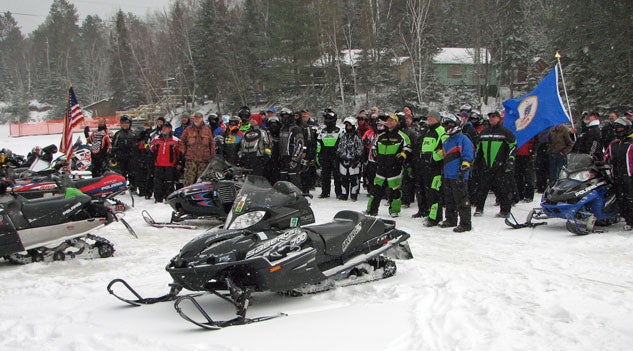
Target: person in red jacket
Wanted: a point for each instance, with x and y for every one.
(165, 148)
(524, 172)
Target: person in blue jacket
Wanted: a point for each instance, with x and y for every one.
(459, 153)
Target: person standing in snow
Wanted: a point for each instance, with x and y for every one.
(619, 154)
(459, 153)
(391, 149)
(349, 151)
(100, 145)
(198, 146)
(165, 149)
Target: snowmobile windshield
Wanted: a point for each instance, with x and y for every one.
(216, 169)
(578, 167)
(256, 197)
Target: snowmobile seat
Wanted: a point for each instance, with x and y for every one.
(52, 210)
(335, 233)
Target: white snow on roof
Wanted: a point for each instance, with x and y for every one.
(351, 57)
(461, 56)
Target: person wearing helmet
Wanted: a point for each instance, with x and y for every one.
(494, 160)
(349, 151)
(255, 149)
(244, 114)
(123, 147)
(310, 132)
(326, 154)
(459, 153)
(291, 148)
(273, 167)
(233, 137)
(216, 124)
(166, 152)
(100, 147)
(412, 189)
(391, 149)
(198, 147)
(185, 122)
(431, 166)
(618, 155)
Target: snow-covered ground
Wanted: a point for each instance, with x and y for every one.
(489, 289)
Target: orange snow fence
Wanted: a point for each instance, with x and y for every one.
(56, 126)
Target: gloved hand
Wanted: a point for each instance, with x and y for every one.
(462, 171)
(293, 162)
(509, 165)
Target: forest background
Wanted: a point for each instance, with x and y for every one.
(287, 53)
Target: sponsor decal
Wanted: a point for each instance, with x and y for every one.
(588, 189)
(351, 236)
(240, 205)
(72, 208)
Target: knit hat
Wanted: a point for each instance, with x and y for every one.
(258, 118)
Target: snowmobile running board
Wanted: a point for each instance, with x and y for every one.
(150, 220)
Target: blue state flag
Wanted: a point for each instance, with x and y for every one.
(536, 111)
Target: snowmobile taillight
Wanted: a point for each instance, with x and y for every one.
(274, 269)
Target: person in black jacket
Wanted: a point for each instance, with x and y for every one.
(123, 149)
(291, 147)
(619, 154)
(589, 141)
(494, 159)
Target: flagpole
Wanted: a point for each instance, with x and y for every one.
(562, 77)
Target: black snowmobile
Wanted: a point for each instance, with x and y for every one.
(212, 197)
(53, 228)
(253, 255)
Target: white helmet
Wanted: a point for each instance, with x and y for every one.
(351, 120)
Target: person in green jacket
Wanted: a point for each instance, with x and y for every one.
(391, 149)
(431, 166)
(494, 161)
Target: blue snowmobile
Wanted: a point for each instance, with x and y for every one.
(583, 195)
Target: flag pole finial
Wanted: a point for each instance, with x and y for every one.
(557, 56)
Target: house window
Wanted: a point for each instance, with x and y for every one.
(456, 72)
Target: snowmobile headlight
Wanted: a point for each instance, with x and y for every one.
(247, 219)
(581, 176)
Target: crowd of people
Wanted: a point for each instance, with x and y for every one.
(443, 163)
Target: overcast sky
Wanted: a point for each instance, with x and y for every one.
(31, 13)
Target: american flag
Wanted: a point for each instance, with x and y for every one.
(74, 115)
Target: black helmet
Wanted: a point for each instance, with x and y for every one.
(286, 116)
(623, 127)
(244, 113)
(125, 118)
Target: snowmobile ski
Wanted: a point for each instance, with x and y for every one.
(174, 290)
(149, 220)
(238, 297)
(512, 222)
